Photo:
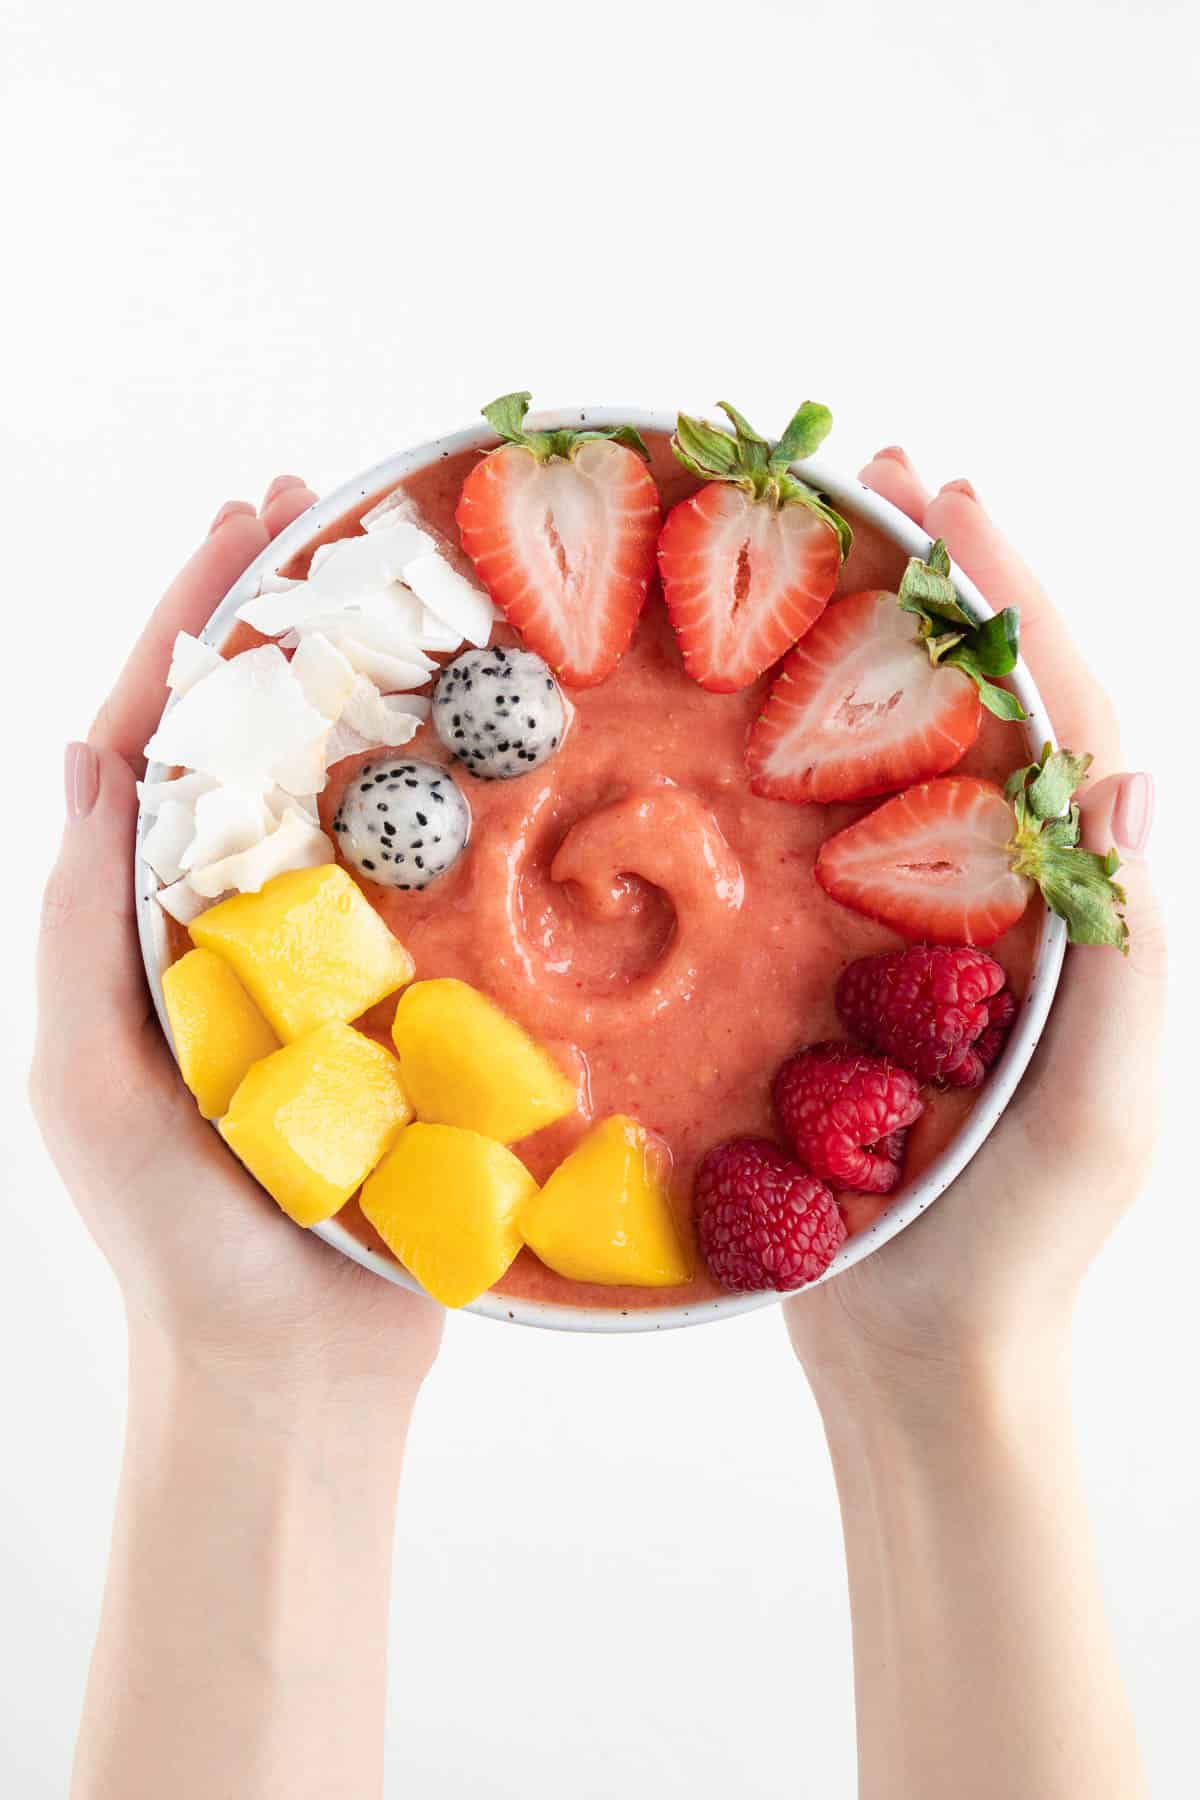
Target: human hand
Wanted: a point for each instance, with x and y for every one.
(203, 1257)
(990, 1272)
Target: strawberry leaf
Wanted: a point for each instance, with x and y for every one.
(755, 464)
(1076, 884)
(705, 451)
(798, 493)
(629, 435)
(751, 444)
(998, 700)
(995, 644)
(506, 417)
(805, 432)
(1058, 775)
(927, 590)
(953, 638)
(1064, 832)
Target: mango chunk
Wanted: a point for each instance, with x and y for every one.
(312, 1121)
(218, 1030)
(466, 1063)
(445, 1202)
(605, 1213)
(309, 947)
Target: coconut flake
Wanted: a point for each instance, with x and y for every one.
(434, 634)
(227, 820)
(390, 674)
(306, 804)
(343, 742)
(303, 772)
(165, 844)
(385, 512)
(388, 618)
(295, 843)
(370, 713)
(279, 611)
(399, 508)
(246, 724)
(451, 597)
(370, 721)
(325, 675)
(191, 661)
(181, 901)
(353, 565)
(186, 789)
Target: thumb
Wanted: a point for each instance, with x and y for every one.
(1105, 1025)
(90, 981)
(1119, 812)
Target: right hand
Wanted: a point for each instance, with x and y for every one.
(992, 1268)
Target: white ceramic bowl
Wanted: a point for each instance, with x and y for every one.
(1003, 1079)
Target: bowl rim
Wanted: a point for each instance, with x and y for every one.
(371, 485)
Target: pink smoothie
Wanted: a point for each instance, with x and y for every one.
(649, 920)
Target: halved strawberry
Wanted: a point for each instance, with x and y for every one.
(561, 527)
(748, 562)
(885, 690)
(957, 861)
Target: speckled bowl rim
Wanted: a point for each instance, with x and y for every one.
(1005, 1077)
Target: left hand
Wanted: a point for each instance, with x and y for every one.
(203, 1257)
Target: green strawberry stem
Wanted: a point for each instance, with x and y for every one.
(953, 637)
(751, 462)
(506, 417)
(1076, 884)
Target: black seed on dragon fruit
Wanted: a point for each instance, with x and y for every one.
(500, 711)
(402, 824)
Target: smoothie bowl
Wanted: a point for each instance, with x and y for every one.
(606, 869)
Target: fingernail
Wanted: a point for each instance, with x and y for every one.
(280, 485)
(960, 487)
(893, 453)
(81, 774)
(1133, 813)
(227, 512)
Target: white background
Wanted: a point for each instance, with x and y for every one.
(244, 239)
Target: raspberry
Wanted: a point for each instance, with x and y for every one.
(1002, 1010)
(941, 1013)
(847, 1115)
(763, 1221)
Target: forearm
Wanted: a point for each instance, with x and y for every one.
(242, 1646)
(984, 1664)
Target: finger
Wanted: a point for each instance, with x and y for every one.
(1103, 1031)
(132, 710)
(1083, 717)
(285, 500)
(1119, 813)
(90, 982)
(891, 475)
(280, 485)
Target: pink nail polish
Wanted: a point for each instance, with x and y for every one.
(280, 485)
(894, 453)
(81, 774)
(227, 511)
(961, 487)
(1133, 813)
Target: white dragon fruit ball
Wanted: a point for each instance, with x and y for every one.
(402, 823)
(500, 711)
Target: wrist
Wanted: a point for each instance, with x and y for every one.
(975, 1393)
(306, 1414)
